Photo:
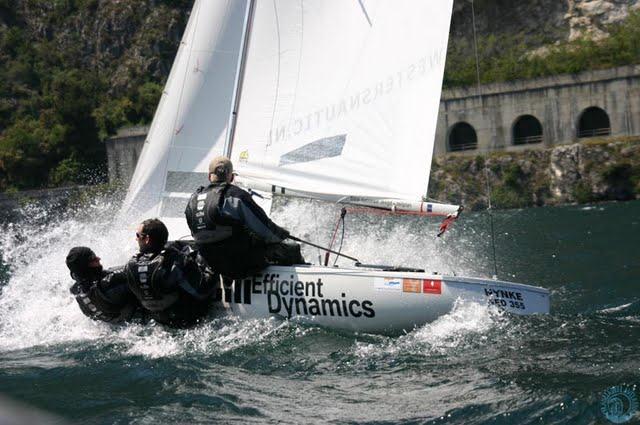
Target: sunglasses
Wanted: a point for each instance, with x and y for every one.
(140, 235)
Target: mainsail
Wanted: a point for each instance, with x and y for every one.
(340, 99)
(191, 123)
(336, 99)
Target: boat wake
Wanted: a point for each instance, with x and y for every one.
(37, 309)
(35, 304)
(469, 323)
(623, 309)
(214, 337)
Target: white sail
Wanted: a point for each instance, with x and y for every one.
(340, 97)
(191, 123)
(338, 100)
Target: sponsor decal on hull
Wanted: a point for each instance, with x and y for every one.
(505, 298)
(412, 285)
(387, 284)
(424, 286)
(432, 286)
(291, 297)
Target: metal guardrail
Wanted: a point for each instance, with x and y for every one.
(605, 131)
(463, 147)
(527, 140)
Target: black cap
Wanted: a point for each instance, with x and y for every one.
(78, 260)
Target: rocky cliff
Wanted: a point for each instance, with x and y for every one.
(597, 170)
(129, 39)
(549, 20)
(135, 38)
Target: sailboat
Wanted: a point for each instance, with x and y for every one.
(334, 100)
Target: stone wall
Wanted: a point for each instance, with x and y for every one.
(557, 103)
(123, 151)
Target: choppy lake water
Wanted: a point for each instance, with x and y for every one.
(472, 366)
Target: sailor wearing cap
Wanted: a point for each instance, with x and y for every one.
(232, 233)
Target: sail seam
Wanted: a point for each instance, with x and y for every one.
(275, 102)
(295, 90)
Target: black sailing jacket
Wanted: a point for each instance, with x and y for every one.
(230, 229)
(106, 297)
(171, 284)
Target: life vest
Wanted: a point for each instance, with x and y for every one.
(160, 280)
(146, 274)
(93, 303)
(206, 223)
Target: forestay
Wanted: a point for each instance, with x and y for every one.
(340, 97)
(191, 122)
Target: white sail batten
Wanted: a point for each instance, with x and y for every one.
(191, 123)
(340, 97)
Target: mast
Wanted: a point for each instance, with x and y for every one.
(237, 90)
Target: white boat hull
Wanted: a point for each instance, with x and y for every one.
(370, 300)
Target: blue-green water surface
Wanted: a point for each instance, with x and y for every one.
(472, 366)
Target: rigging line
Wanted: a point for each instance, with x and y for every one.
(475, 49)
(341, 240)
(333, 238)
(294, 238)
(486, 169)
(490, 209)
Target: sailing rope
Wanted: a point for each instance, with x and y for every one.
(342, 236)
(486, 169)
(343, 212)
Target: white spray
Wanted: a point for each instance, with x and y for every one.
(36, 307)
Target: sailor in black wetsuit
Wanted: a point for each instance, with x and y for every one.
(231, 231)
(168, 279)
(101, 294)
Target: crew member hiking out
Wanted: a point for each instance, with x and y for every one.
(168, 279)
(101, 294)
(232, 233)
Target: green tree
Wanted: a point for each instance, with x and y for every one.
(147, 100)
(21, 163)
(112, 115)
(68, 171)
